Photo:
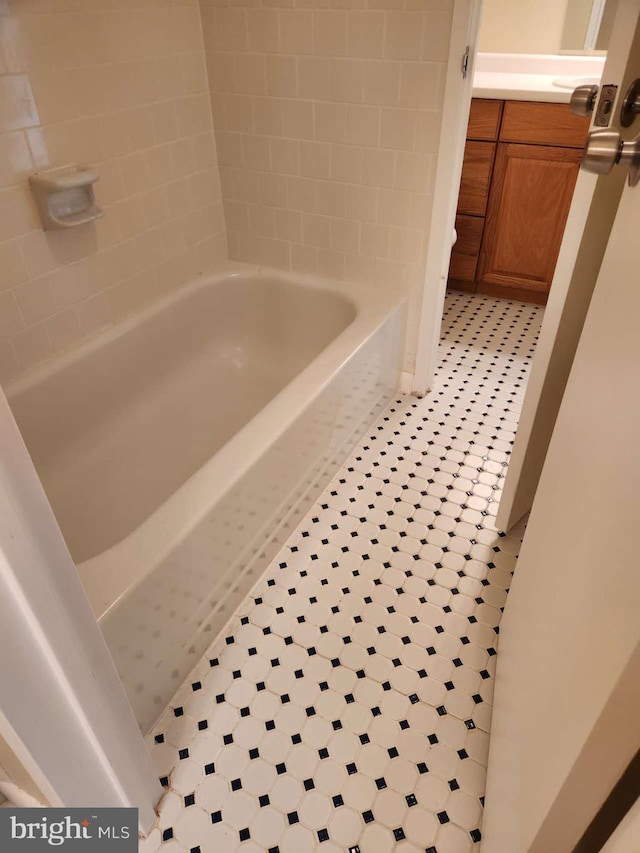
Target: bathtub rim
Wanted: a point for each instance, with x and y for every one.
(114, 573)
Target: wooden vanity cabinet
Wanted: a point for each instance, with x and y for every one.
(520, 167)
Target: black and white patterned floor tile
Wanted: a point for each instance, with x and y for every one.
(348, 706)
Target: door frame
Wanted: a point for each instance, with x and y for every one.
(453, 131)
(86, 750)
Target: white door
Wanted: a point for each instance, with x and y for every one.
(592, 213)
(567, 702)
(453, 131)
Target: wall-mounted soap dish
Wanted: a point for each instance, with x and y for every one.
(65, 196)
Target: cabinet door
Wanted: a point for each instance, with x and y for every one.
(528, 207)
(476, 176)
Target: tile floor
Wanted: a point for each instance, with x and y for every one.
(347, 705)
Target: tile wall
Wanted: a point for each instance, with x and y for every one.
(327, 119)
(121, 86)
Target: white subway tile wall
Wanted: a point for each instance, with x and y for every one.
(121, 86)
(327, 118)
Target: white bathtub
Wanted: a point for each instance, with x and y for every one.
(180, 447)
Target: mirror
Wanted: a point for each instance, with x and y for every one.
(546, 26)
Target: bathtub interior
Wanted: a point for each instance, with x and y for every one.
(117, 427)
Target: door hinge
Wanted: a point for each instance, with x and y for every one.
(465, 62)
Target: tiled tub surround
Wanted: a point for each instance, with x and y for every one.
(327, 119)
(327, 123)
(122, 87)
(174, 446)
(347, 704)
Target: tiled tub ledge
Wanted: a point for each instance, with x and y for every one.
(347, 705)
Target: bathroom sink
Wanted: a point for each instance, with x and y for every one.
(573, 82)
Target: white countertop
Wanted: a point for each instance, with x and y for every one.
(533, 77)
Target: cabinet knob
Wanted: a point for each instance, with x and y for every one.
(583, 100)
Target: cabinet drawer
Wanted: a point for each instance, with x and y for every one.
(464, 256)
(476, 177)
(484, 119)
(543, 124)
